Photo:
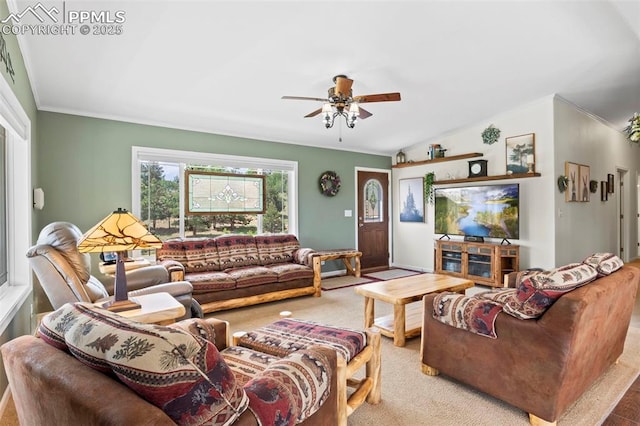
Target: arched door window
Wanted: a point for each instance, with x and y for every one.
(373, 201)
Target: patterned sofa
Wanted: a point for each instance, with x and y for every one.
(95, 367)
(231, 271)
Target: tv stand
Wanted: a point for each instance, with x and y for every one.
(482, 263)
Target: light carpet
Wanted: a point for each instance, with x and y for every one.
(391, 274)
(335, 283)
(412, 398)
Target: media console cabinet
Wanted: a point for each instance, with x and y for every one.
(482, 263)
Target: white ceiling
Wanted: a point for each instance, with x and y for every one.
(222, 66)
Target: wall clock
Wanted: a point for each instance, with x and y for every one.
(477, 168)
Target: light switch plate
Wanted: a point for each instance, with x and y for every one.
(348, 213)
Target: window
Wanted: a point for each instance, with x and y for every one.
(16, 205)
(4, 244)
(373, 201)
(159, 194)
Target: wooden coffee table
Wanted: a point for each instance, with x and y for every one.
(405, 322)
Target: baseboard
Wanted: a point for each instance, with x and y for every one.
(411, 267)
(337, 273)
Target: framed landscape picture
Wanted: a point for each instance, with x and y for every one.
(520, 153)
(411, 200)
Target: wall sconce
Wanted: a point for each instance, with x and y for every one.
(38, 198)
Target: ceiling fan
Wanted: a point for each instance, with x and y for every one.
(342, 102)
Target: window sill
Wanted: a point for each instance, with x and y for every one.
(10, 302)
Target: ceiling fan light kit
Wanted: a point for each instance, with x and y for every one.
(341, 102)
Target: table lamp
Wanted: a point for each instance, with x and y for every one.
(119, 232)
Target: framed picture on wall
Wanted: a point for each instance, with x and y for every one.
(411, 200)
(610, 182)
(521, 153)
(583, 186)
(572, 172)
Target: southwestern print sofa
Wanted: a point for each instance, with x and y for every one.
(232, 271)
(556, 333)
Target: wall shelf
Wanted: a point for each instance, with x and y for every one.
(438, 160)
(485, 178)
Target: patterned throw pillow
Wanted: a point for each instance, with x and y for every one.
(180, 373)
(536, 292)
(470, 313)
(605, 263)
(291, 389)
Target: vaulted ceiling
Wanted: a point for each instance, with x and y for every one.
(223, 66)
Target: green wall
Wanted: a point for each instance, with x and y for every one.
(86, 172)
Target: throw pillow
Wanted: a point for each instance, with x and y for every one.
(604, 263)
(291, 389)
(538, 291)
(470, 313)
(180, 373)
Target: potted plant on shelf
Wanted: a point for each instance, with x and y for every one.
(428, 187)
(633, 129)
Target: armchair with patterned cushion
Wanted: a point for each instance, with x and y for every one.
(65, 274)
(96, 367)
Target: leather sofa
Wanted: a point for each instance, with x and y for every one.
(541, 365)
(232, 271)
(52, 387)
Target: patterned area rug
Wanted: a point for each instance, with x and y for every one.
(335, 283)
(391, 274)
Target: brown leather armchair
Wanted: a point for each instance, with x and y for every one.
(52, 387)
(65, 274)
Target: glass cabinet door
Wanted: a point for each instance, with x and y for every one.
(480, 262)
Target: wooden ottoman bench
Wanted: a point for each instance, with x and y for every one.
(356, 348)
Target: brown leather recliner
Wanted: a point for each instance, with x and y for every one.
(65, 274)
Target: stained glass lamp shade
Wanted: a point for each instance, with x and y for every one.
(119, 232)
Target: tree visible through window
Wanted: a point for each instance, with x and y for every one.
(161, 184)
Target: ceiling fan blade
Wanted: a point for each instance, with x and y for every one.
(364, 114)
(314, 113)
(380, 97)
(304, 98)
(343, 86)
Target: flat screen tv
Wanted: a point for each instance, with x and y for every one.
(481, 211)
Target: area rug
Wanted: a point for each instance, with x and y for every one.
(343, 281)
(412, 398)
(391, 274)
